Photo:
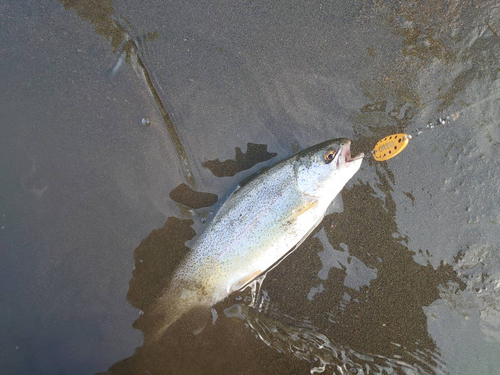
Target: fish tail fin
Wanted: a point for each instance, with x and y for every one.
(176, 302)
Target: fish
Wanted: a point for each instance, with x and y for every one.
(260, 223)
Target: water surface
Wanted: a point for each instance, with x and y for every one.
(126, 124)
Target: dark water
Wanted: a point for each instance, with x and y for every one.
(123, 123)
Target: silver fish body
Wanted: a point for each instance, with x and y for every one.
(258, 225)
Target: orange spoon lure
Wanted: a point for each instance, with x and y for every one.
(393, 144)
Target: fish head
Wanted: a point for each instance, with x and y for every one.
(322, 170)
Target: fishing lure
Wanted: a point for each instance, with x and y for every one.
(393, 144)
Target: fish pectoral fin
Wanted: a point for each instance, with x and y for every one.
(303, 210)
(244, 281)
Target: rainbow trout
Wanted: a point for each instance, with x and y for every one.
(259, 224)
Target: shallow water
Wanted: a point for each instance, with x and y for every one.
(123, 123)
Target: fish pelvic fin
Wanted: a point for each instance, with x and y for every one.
(302, 210)
(244, 281)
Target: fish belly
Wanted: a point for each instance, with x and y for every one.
(255, 228)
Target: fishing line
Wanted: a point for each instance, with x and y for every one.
(393, 144)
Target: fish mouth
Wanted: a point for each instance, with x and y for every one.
(345, 153)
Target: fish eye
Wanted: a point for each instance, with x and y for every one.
(329, 156)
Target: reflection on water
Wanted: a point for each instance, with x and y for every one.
(286, 334)
(479, 271)
(357, 273)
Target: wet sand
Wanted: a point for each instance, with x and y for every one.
(127, 124)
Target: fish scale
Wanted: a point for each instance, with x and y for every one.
(259, 224)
